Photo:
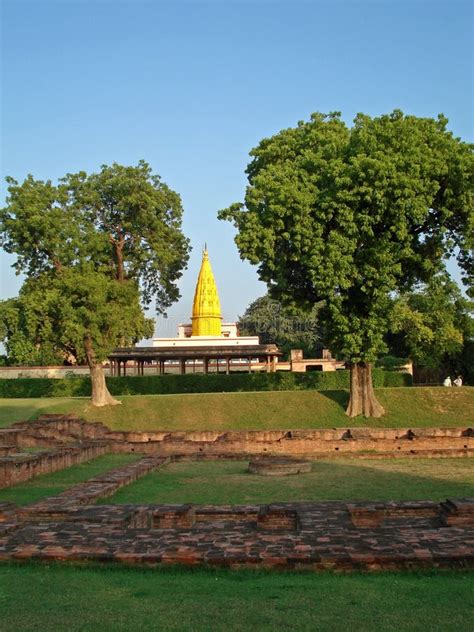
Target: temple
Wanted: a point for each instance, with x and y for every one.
(206, 327)
(203, 345)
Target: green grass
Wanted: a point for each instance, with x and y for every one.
(56, 482)
(416, 407)
(224, 482)
(59, 598)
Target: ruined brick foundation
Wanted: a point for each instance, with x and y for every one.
(316, 536)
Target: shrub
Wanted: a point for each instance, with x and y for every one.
(391, 363)
(195, 383)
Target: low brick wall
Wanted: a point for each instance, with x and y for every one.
(311, 536)
(19, 467)
(330, 443)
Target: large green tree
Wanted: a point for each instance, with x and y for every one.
(288, 328)
(352, 215)
(95, 249)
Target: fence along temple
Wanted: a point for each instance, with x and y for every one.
(204, 344)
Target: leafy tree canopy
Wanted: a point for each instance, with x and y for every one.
(432, 324)
(288, 328)
(123, 221)
(93, 248)
(352, 215)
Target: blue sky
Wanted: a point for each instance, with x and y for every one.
(191, 87)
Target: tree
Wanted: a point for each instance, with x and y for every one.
(27, 337)
(431, 324)
(289, 329)
(94, 249)
(352, 215)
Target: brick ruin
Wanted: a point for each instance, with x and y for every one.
(319, 535)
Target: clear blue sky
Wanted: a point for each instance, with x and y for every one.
(191, 87)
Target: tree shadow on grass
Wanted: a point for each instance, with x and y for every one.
(341, 398)
(329, 480)
(17, 410)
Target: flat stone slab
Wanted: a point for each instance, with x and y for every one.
(278, 466)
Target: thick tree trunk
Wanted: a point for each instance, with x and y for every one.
(362, 400)
(100, 392)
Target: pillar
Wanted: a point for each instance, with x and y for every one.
(182, 366)
(227, 363)
(206, 365)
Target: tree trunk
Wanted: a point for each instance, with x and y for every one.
(362, 400)
(119, 256)
(100, 392)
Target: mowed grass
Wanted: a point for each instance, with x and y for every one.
(59, 598)
(415, 407)
(56, 482)
(229, 482)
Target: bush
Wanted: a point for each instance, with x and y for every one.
(195, 383)
(391, 363)
(45, 387)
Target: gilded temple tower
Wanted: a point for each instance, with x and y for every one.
(207, 317)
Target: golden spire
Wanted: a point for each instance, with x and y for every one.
(206, 316)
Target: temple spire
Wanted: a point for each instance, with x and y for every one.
(206, 318)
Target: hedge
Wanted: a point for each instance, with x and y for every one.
(195, 383)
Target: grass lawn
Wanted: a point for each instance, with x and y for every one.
(56, 482)
(415, 407)
(224, 482)
(56, 598)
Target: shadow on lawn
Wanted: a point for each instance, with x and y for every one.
(13, 411)
(183, 483)
(339, 397)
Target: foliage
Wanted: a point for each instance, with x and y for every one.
(391, 363)
(55, 312)
(289, 329)
(123, 221)
(93, 249)
(351, 215)
(433, 323)
(28, 339)
(211, 383)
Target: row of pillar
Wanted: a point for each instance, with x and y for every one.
(118, 368)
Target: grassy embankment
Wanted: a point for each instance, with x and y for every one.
(56, 482)
(53, 597)
(413, 407)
